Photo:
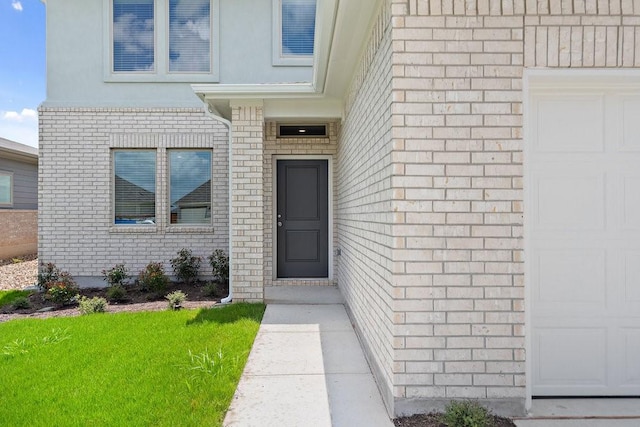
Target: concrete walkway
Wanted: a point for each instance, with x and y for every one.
(306, 368)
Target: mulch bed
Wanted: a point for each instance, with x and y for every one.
(136, 300)
(433, 420)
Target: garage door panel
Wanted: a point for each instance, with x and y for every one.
(630, 124)
(571, 355)
(631, 201)
(570, 124)
(569, 202)
(631, 282)
(572, 278)
(630, 344)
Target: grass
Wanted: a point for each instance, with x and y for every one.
(8, 297)
(149, 368)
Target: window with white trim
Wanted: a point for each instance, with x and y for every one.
(134, 174)
(294, 31)
(162, 40)
(6, 189)
(190, 186)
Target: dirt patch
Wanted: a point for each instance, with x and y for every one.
(136, 300)
(433, 420)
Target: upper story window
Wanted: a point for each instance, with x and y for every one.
(294, 29)
(162, 40)
(190, 36)
(133, 36)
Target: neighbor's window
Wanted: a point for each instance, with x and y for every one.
(296, 23)
(134, 186)
(190, 186)
(133, 36)
(6, 189)
(190, 36)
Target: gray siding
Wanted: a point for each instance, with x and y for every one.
(25, 183)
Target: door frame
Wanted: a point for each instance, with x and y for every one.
(274, 213)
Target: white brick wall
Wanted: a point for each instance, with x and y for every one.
(75, 191)
(449, 272)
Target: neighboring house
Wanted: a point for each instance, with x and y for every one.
(18, 199)
(467, 172)
(18, 176)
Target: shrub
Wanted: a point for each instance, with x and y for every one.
(62, 291)
(48, 274)
(186, 266)
(152, 278)
(92, 305)
(466, 414)
(211, 289)
(116, 293)
(176, 299)
(20, 303)
(116, 275)
(219, 262)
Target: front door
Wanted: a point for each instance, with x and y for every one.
(302, 218)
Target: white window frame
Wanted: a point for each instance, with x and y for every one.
(168, 195)
(145, 227)
(161, 49)
(11, 186)
(278, 58)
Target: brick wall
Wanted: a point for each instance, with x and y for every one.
(448, 274)
(457, 183)
(75, 191)
(363, 208)
(19, 233)
(247, 216)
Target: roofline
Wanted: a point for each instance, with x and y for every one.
(16, 151)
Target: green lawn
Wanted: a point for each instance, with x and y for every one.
(135, 369)
(8, 297)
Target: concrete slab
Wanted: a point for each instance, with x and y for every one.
(592, 412)
(306, 367)
(280, 400)
(578, 423)
(302, 295)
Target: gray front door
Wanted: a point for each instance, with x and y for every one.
(302, 218)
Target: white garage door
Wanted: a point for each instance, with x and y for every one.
(583, 232)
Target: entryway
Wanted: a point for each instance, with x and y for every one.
(302, 218)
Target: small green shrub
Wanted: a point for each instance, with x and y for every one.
(219, 262)
(47, 275)
(153, 278)
(20, 303)
(62, 291)
(116, 293)
(186, 266)
(211, 289)
(176, 299)
(92, 305)
(467, 414)
(116, 275)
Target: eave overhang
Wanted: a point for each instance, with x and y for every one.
(342, 29)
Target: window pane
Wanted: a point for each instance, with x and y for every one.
(298, 26)
(135, 187)
(5, 189)
(133, 36)
(189, 36)
(190, 186)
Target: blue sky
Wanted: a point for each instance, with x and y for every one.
(22, 68)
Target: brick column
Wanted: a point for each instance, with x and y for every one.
(247, 205)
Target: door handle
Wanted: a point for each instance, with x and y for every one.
(279, 223)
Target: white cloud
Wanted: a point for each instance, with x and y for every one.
(20, 126)
(17, 5)
(190, 34)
